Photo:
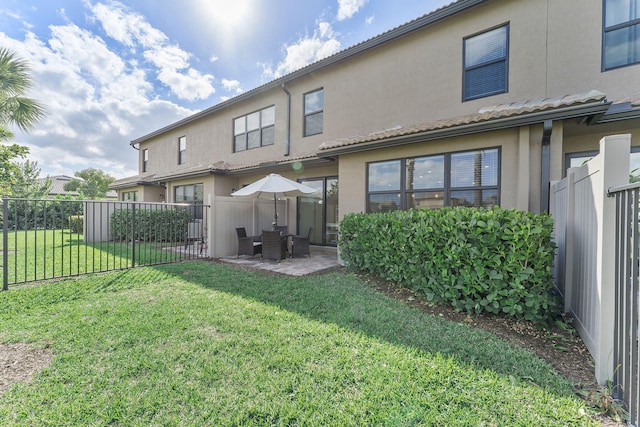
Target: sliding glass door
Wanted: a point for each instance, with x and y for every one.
(320, 211)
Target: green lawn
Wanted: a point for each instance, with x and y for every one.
(201, 343)
(42, 254)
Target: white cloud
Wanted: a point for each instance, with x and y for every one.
(348, 8)
(305, 51)
(174, 70)
(232, 86)
(96, 101)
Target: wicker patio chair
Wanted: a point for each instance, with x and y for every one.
(300, 245)
(274, 245)
(248, 245)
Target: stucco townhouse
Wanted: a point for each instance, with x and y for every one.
(478, 103)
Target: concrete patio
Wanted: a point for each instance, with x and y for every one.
(323, 258)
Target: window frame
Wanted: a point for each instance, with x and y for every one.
(634, 149)
(145, 160)
(260, 130)
(306, 115)
(129, 196)
(505, 59)
(196, 205)
(447, 189)
(612, 28)
(182, 151)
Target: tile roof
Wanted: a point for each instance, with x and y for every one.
(484, 115)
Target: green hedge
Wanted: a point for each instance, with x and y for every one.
(160, 225)
(76, 224)
(478, 260)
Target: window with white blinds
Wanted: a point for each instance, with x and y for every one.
(486, 63)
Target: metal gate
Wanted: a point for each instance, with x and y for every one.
(48, 239)
(626, 381)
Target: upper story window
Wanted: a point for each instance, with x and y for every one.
(313, 112)
(254, 130)
(145, 160)
(182, 150)
(468, 178)
(486, 63)
(621, 33)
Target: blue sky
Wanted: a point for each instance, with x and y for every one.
(112, 71)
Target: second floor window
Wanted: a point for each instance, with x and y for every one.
(621, 33)
(486, 63)
(145, 160)
(254, 130)
(313, 112)
(182, 150)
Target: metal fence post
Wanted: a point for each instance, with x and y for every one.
(5, 245)
(133, 235)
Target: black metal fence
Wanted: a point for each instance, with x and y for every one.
(626, 381)
(47, 239)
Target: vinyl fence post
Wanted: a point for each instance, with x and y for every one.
(5, 245)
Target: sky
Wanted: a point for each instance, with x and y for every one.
(109, 71)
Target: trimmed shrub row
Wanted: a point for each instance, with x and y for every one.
(159, 225)
(76, 224)
(478, 260)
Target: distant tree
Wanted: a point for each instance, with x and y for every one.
(8, 168)
(93, 185)
(28, 184)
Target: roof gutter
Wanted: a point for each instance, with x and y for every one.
(469, 129)
(545, 166)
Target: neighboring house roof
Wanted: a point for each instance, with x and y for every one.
(58, 182)
(400, 31)
(514, 114)
(57, 185)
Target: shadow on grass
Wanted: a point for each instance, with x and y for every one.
(347, 301)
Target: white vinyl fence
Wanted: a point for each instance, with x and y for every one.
(585, 228)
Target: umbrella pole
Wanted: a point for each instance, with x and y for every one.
(275, 209)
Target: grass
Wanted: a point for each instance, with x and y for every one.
(42, 254)
(201, 343)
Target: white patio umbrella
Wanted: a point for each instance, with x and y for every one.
(274, 185)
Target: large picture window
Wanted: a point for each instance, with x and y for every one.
(313, 112)
(469, 178)
(486, 63)
(621, 33)
(254, 130)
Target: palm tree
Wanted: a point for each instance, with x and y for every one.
(15, 108)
